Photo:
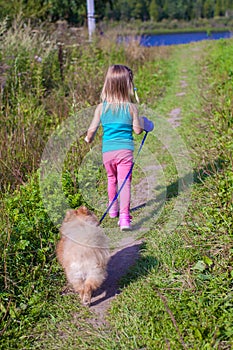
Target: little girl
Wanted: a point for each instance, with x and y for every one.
(119, 118)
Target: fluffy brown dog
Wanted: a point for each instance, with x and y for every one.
(83, 252)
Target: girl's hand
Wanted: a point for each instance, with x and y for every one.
(148, 125)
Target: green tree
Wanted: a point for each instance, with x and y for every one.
(170, 8)
(228, 8)
(188, 9)
(180, 12)
(154, 11)
(123, 9)
(197, 9)
(219, 9)
(25, 9)
(208, 9)
(140, 9)
(74, 11)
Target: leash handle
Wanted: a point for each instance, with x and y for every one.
(126, 178)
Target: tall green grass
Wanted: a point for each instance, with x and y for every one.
(185, 300)
(46, 76)
(179, 294)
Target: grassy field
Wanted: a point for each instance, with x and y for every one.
(179, 293)
(170, 26)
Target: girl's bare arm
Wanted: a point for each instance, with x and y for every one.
(137, 124)
(94, 124)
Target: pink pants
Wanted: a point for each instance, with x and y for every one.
(117, 165)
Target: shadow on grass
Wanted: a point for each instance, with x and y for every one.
(125, 266)
(198, 176)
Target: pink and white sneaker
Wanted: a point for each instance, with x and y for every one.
(125, 223)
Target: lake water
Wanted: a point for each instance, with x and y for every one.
(181, 38)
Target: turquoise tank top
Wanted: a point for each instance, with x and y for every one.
(117, 128)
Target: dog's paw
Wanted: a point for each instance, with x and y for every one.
(86, 299)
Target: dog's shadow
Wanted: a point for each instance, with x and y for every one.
(124, 266)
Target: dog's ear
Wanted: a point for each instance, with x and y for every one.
(83, 211)
(69, 213)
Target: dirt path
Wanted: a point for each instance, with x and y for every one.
(121, 260)
(177, 100)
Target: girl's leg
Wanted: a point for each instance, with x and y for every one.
(111, 169)
(123, 167)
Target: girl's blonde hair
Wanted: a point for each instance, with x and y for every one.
(118, 85)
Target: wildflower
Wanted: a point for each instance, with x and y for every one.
(38, 59)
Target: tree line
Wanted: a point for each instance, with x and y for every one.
(74, 11)
(157, 10)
